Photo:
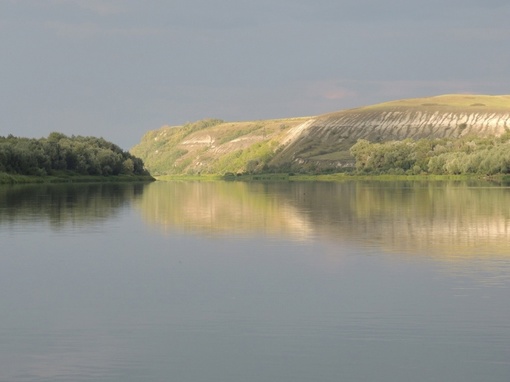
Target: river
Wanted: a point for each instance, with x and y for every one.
(238, 281)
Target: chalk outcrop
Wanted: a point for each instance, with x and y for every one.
(326, 139)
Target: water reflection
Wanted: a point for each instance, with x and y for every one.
(224, 208)
(450, 220)
(64, 204)
(453, 220)
(116, 301)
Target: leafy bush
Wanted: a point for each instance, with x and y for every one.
(467, 155)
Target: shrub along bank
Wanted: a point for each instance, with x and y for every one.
(444, 156)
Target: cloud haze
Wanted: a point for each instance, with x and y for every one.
(119, 68)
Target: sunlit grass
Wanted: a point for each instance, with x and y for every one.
(467, 101)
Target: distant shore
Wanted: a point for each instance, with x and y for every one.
(335, 177)
(71, 178)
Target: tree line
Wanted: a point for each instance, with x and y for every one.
(59, 153)
(466, 155)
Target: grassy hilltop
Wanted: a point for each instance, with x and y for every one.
(321, 143)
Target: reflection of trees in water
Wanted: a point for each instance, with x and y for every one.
(452, 218)
(433, 218)
(62, 204)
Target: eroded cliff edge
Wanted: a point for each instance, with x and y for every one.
(325, 140)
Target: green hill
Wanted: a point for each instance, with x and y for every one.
(316, 143)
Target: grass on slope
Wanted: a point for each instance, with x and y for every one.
(214, 149)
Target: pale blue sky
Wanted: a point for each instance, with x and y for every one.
(118, 68)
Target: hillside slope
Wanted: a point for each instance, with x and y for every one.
(214, 146)
(317, 143)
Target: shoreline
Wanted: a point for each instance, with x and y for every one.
(337, 177)
(71, 178)
(6, 179)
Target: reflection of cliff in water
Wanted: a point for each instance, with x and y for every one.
(433, 218)
(63, 204)
(223, 208)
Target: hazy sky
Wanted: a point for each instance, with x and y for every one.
(118, 68)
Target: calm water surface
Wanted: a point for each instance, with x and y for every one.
(284, 282)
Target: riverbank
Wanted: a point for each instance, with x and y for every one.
(338, 177)
(71, 178)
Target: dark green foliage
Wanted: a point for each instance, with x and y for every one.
(467, 155)
(59, 153)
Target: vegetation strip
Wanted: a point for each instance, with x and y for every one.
(467, 155)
